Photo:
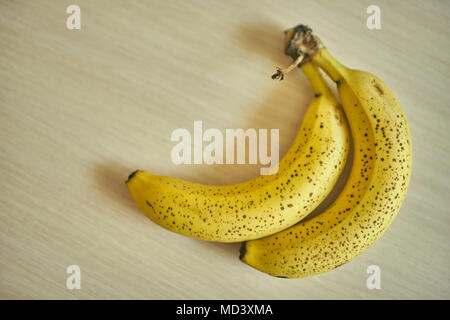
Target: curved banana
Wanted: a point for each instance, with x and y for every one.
(266, 204)
(372, 195)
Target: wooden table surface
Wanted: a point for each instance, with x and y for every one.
(81, 109)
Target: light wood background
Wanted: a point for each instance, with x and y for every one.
(81, 109)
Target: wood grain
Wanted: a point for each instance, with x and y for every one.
(81, 109)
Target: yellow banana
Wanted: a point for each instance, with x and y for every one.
(374, 191)
(266, 204)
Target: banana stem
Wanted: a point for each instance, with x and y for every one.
(300, 45)
(316, 80)
(281, 72)
(335, 70)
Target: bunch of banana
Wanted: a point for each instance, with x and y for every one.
(266, 204)
(266, 213)
(374, 191)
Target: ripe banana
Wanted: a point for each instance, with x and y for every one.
(266, 204)
(374, 191)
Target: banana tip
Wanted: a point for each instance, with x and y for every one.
(242, 250)
(131, 175)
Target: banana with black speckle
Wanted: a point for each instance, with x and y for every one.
(374, 191)
(266, 204)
